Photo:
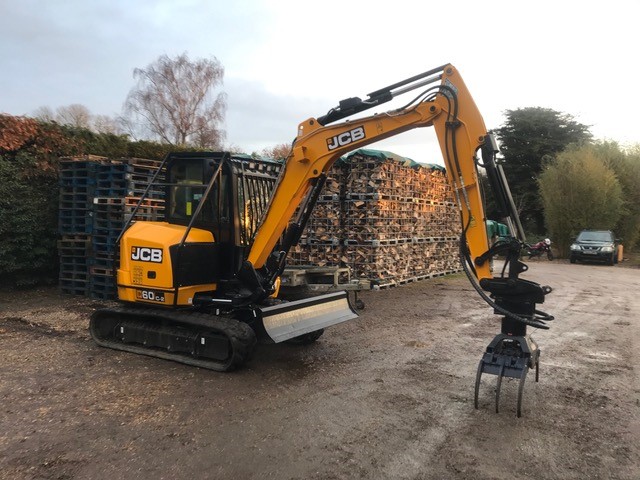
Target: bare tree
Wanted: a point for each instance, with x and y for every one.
(233, 148)
(174, 100)
(44, 114)
(106, 124)
(277, 152)
(74, 115)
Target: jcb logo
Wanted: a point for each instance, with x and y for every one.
(144, 254)
(345, 138)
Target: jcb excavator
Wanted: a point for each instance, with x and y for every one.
(201, 286)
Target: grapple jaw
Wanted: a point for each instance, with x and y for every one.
(508, 356)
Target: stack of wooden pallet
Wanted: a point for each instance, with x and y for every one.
(390, 220)
(97, 196)
(393, 221)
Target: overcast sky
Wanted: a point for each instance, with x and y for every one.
(286, 61)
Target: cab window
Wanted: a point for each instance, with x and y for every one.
(188, 184)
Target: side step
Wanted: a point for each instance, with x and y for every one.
(292, 319)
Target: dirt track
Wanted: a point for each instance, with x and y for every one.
(387, 396)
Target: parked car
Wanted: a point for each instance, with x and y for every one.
(595, 245)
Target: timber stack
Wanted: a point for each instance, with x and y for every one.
(389, 219)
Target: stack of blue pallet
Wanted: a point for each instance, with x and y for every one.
(77, 188)
(97, 197)
(112, 186)
(77, 182)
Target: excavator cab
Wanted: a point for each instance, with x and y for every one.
(220, 193)
(197, 200)
(214, 202)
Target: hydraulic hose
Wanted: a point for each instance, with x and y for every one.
(464, 259)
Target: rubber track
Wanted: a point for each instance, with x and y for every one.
(240, 335)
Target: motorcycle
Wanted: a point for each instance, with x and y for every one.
(539, 249)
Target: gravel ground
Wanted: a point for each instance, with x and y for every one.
(386, 396)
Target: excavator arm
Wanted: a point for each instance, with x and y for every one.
(446, 105)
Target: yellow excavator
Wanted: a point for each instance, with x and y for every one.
(201, 286)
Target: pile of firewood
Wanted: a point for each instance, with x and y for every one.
(391, 220)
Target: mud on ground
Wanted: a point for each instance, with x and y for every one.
(386, 396)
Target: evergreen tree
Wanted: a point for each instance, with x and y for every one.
(529, 138)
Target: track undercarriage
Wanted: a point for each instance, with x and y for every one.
(194, 338)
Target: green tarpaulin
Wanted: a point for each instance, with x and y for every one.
(383, 155)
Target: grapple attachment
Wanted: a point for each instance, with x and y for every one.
(509, 356)
(512, 353)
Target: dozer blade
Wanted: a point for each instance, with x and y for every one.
(292, 319)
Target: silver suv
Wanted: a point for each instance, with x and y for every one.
(595, 245)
